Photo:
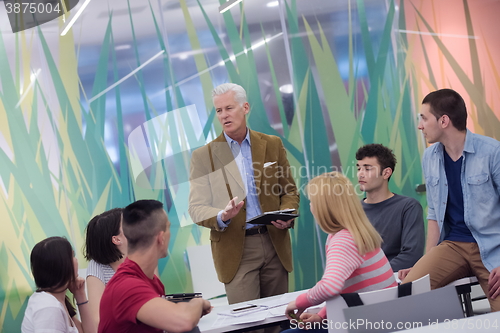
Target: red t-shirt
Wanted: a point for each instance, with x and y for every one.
(127, 291)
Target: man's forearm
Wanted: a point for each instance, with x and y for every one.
(405, 259)
(432, 235)
(412, 244)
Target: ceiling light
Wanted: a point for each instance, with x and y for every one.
(273, 4)
(122, 47)
(228, 5)
(286, 88)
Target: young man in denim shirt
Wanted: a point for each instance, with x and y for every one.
(462, 174)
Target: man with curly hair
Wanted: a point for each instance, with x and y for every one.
(397, 218)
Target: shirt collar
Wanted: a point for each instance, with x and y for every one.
(230, 140)
(469, 142)
(468, 145)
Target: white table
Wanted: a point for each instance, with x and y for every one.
(489, 322)
(223, 324)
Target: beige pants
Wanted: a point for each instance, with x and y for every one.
(450, 261)
(260, 274)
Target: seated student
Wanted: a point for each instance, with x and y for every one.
(106, 249)
(398, 219)
(354, 260)
(55, 270)
(133, 300)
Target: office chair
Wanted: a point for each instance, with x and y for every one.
(204, 276)
(336, 306)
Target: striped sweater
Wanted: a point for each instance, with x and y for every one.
(347, 272)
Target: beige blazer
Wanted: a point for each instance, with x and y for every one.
(215, 179)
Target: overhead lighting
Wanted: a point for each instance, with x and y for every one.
(228, 5)
(122, 47)
(286, 88)
(73, 20)
(273, 4)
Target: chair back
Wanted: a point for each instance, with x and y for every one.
(336, 305)
(408, 312)
(203, 273)
(419, 286)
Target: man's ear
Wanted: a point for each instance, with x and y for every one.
(246, 107)
(386, 173)
(159, 237)
(445, 121)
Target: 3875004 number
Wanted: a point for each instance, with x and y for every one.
(32, 8)
(471, 323)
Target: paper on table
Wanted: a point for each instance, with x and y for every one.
(277, 311)
(279, 307)
(248, 318)
(230, 313)
(280, 310)
(283, 300)
(274, 308)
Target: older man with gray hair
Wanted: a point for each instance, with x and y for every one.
(237, 176)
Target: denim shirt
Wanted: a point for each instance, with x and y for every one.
(480, 179)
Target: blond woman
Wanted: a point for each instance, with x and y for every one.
(354, 260)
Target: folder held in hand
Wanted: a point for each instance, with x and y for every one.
(267, 217)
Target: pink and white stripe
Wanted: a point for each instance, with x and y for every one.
(347, 271)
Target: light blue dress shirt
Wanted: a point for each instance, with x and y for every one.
(480, 178)
(243, 158)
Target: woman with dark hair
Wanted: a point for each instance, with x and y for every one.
(55, 270)
(105, 249)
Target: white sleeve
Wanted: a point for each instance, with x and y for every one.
(50, 320)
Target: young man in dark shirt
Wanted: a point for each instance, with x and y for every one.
(398, 219)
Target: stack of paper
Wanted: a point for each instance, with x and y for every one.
(256, 310)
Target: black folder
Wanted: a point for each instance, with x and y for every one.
(267, 217)
(184, 297)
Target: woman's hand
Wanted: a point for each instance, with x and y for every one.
(310, 318)
(402, 273)
(77, 288)
(290, 311)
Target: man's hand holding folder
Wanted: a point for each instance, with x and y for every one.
(281, 219)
